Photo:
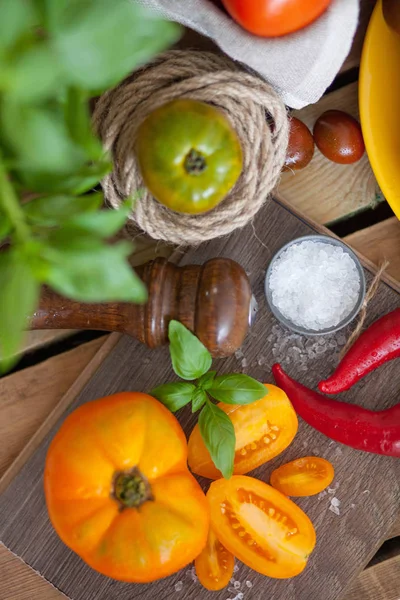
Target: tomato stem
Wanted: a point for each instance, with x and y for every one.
(195, 162)
(131, 488)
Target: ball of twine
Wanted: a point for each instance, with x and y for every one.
(251, 105)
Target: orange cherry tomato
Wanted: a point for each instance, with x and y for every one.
(303, 477)
(214, 566)
(273, 18)
(261, 526)
(118, 490)
(301, 146)
(263, 430)
(339, 137)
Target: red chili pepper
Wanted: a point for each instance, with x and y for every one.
(377, 432)
(377, 345)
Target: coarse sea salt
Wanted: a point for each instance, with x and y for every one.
(314, 285)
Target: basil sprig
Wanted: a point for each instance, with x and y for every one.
(191, 361)
(54, 56)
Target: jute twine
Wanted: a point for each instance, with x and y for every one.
(244, 98)
(373, 288)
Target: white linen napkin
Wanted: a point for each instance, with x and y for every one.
(300, 66)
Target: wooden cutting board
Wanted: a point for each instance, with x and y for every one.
(367, 486)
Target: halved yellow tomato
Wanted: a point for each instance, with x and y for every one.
(303, 477)
(214, 566)
(263, 430)
(260, 526)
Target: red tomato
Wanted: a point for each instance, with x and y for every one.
(260, 526)
(214, 566)
(303, 477)
(338, 136)
(301, 146)
(273, 18)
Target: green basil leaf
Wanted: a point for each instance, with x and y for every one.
(218, 434)
(237, 389)
(18, 298)
(190, 358)
(53, 210)
(104, 223)
(77, 118)
(106, 40)
(86, 270)
(35, 75)
(17, 17)
(78, 182)
(205, 382)
(174, 395)
(39, 138)
(5, 225)
(199, 398)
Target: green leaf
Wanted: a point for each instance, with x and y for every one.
(205, 382)
(84, 269)
(77, 118)
(35, 75)
(5, 225)
(199, 398)
(18, 298)
(103, 41)
(39, 139)
(190, 358)
(54, 210)
(17, 17)
(79, 182)
(218, 434)
(104, 223)
(237, 389)
(174, 395)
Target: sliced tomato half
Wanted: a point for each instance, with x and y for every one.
(214, 566)
(303, 477)
(263, 430)
(260, 526)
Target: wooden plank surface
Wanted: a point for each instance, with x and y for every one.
(360, 531)
(337, 191)
(380, 241)
(28, 396)
(381, 582)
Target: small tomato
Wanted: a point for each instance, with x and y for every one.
(260, 526)
(301, 146)
(214, 566)
(273, 18)
(303, 477)
(118, 491)
(339, 137)
(189, 155)
(263, 430)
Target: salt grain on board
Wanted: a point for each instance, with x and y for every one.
(178, 586)
(334, 507)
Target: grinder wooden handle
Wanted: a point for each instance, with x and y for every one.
(213, 300)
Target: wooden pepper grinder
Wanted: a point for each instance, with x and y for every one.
(213, 300)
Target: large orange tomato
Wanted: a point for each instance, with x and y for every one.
(263, 430)
(214, 566)
(118, 490)
(273, 18)
(261, 526)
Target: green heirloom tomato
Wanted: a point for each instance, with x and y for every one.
(189, 155)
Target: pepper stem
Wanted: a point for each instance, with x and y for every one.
(195, 163)
(131, 488)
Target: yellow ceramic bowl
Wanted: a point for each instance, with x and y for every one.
(379, 93)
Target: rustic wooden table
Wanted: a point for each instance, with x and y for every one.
(345, 198)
